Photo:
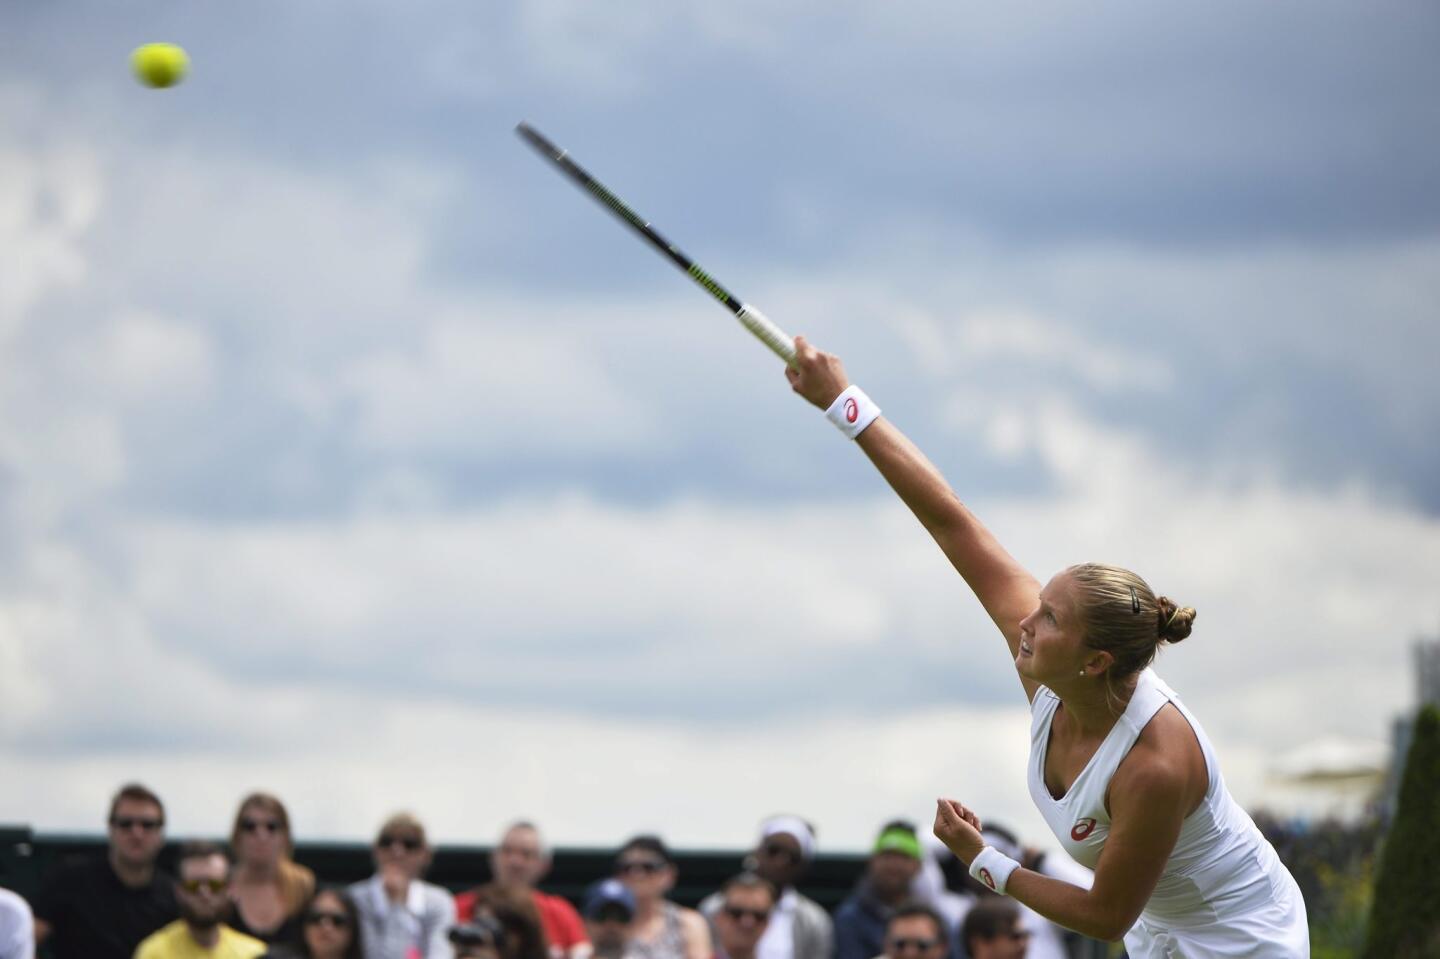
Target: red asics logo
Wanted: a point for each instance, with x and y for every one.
(1082, 829)
(852, 410)
(986, 877)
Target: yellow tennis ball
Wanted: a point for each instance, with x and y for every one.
(159, 64)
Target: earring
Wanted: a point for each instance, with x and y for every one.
(1082, 672)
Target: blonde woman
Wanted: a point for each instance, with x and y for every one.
(1119, 768)
(269, 889)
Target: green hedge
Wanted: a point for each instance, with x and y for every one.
(1405, 915)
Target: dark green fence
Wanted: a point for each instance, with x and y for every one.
(25, 859)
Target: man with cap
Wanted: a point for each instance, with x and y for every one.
(861, 919)
(608, 908)
(799, 927)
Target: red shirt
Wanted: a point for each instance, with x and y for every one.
(563, 928)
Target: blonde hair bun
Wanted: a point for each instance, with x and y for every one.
(1174, 622)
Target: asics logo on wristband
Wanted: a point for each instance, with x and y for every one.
(1082, 829)
(986, 878)
(852, 410)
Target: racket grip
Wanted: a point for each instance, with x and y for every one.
(767, 332)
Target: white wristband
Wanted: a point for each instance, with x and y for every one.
(993, 868)
(852, 411)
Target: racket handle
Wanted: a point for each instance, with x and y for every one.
(767, 332)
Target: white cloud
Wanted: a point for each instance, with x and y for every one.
(48, 199)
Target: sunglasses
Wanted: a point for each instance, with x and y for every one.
(408, 843)
(271, 826)
(335, 920)
(777, 851)
(211, 885)
(124, 823)
(737, 913)
(901, 945)
(647, 866)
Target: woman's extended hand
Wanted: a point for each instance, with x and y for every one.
(818, 376)
(959, 829)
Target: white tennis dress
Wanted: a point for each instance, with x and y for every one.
(1224, 892)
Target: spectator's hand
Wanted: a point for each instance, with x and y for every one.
(959, 829)
(818, 376)
(395, 880)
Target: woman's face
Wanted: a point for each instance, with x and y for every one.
(261, 837)
(648, 876)
(1050, 637)
(327, 926)
(401, 850)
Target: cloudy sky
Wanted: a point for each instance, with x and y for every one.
(349, 452)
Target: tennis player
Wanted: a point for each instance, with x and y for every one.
(1119, 768)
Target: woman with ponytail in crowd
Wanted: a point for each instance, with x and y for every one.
(269, 888)
(1120, 769)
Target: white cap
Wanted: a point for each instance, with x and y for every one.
(791, 826)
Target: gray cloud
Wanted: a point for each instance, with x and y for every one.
(317, 389)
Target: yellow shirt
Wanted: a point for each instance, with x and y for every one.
(175, 942)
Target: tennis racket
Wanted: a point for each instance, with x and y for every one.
(755, 321)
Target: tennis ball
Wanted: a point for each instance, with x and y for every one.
(159, 64)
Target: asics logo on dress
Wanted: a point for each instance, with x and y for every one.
(1082, 829)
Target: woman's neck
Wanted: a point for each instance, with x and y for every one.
(1094, 705)
(256, 873)
(646, 909)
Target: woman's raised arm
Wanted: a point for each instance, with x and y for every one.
(1004, 588)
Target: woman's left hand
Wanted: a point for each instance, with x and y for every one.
(959, 829)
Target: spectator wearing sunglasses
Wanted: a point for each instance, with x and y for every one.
(203, 892)
(269, 888)
(799, 927)
(993, 930)
(916, 931)
(861, 919)
(329, 929)
(103, 908)
(608, 908)
(661, 929)
(747, 904)
(480, 937)
(402, 916)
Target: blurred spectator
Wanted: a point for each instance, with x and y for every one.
(608, 908)
(269, 888)
(402, 916)
(799, 927)
(329, 929)
(479, 937)
(203, 893)
(512, 909)
(992, 930)
(17, 927)
(522, 860)
(101, 909)
(1047, 940)
(746, 908)
(944, 884)
(861, 919)
(916, 931)
(661, 929)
